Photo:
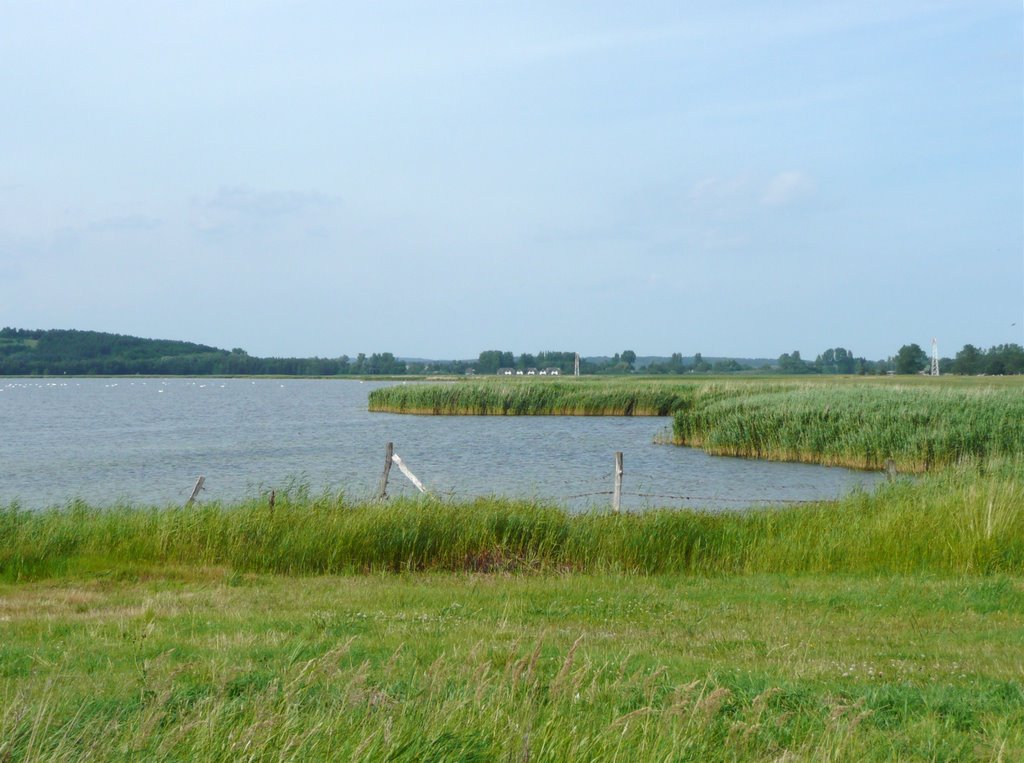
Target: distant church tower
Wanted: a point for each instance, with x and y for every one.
(935, 357)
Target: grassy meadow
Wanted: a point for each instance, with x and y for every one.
(884, 626)
(206, 664)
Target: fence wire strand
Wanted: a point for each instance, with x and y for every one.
(405, 490)
(400, 488)
(725, 500)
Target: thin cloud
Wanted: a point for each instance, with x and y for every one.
(788, 187)
(715, 187)
(248, 201)
(240, 208)
(123, 224)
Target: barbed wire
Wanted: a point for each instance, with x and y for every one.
(584, 495)
(641, 480)
(452, 493)
(727, 500)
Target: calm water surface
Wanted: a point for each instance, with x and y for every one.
(146, 441)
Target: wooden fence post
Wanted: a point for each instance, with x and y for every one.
(407, 473)
(389, 451)
(195, 490)
(617, 495)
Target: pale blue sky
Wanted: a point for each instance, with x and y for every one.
(439, 178)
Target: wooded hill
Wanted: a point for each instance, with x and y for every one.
(56, 352)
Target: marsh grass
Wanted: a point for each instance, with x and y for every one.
(862, 426)
(918, 424)
(533, 397)
(964, 519)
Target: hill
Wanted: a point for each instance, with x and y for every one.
(72, 352)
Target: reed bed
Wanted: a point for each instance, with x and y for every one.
(917, 427)
(862, 424)
(533, 397)
(977, 510)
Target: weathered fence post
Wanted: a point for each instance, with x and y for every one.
(389, 451)
(195, 490)
(407, 473)
(617, 495)
(273, 494)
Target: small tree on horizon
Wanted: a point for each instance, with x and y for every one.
(911, 359)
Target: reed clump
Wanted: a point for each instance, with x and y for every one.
(917, 427)
(533, 397)
(976, 509)
(862, 424)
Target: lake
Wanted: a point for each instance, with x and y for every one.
(145, 441)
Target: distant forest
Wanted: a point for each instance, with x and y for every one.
(85, 353)
(26, 352)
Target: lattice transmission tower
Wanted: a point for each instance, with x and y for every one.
(935, 357)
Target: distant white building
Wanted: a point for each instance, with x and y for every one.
(527, 372)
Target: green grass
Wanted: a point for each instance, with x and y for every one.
(960, 520)
(863, 426)
(209, 665)
(534, 397)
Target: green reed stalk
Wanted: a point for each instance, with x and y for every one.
(976, 510)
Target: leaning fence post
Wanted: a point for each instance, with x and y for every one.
(195, 490)
(389, 451)
(405, 470)
(617, 495)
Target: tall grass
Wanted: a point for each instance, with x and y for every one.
(492, 702)
(534, 397)
(964, 515)
(861, 426)
(856, 423)
(960, 520)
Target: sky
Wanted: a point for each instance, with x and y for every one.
(435, 179)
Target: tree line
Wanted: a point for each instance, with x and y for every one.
(83, 353)
(1002, 359)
